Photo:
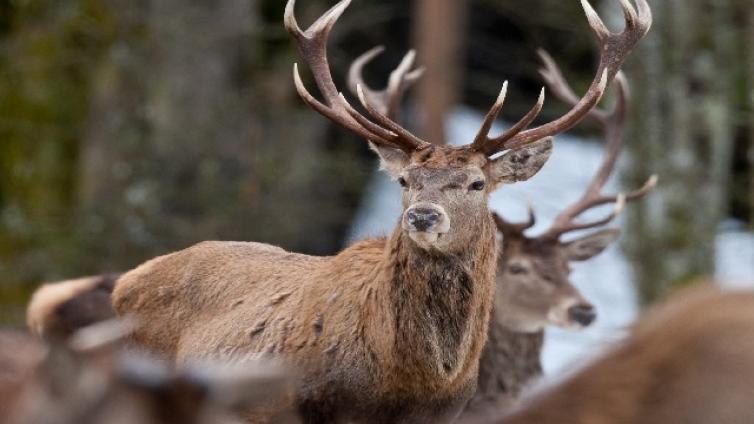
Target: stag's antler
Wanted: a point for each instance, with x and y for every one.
(612, 122)
(614, 48)
(507, 227)
(313, 46)
(387, 101)
(382, 106)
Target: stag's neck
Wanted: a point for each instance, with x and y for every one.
(510, 362)
(438, 307)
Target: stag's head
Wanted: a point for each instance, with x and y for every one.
(446, 189)
(533, 285)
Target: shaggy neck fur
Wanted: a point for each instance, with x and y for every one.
(437, 307)
(510, 361)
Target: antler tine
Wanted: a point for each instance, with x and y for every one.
(399, 81)
(378, 135)
(564, 223)
(614, 48)
(620, 203)
(483, 135)
(356, 78)
(313, 46)
(483, 142)
(389, 123)
(386, 101)
(506, 227)
(557, 83)
(313, 43)
(612, 123)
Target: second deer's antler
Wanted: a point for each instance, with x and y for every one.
(612, 122)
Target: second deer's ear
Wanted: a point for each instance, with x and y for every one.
(520, 164)
(591, 245)
(391, 160)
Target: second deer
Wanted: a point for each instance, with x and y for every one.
(534, 289)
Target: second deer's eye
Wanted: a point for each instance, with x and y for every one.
(402, 182)
(477, 185)
(518, 269)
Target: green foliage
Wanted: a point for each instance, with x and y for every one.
(133, 128)
(48, 52)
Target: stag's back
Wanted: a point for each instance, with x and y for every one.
(215, 292)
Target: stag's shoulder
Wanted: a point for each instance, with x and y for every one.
(198, 262)
(369, 250)
(232, 246)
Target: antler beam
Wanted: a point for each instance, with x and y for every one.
(612, 122)
(614, 48)
(313, 46)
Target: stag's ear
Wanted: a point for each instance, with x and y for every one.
(391, 160)
(520, 164)
(590, 246)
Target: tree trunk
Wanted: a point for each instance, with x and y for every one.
(749, 49)
(682, 129)
(439, 27)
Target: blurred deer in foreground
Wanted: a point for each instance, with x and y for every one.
(390, 329)
(689, 361)
(533, 289)
(91, 380)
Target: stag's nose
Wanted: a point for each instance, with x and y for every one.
(423, 219)
(582, 314)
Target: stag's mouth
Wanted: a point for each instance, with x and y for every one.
(426, 223)
(425, 239)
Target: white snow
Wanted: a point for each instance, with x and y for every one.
(605, 280)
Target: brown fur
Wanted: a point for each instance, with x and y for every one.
(690, 361)
(92, 380)
(120, 388)
(57, 310)
(20, 355)
(386, 331)
(510, 362)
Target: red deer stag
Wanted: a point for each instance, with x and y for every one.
(533, 289)
(690, 361)
(391, 329)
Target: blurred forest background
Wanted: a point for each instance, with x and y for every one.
(132, 128)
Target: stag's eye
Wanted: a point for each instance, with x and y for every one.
(518, 269)
(477, 186)
(402, 182)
